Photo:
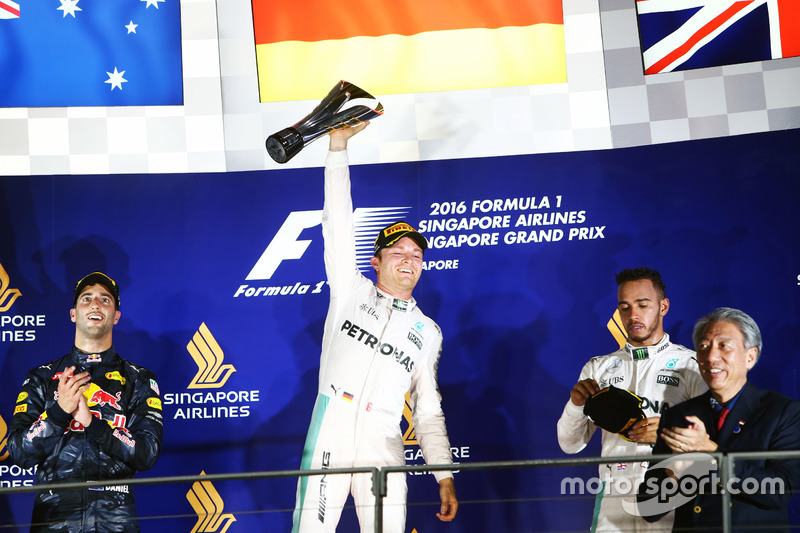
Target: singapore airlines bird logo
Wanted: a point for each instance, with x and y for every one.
(208, 505)
(7, 295)
(409, 437)
(3, 439)
(616, 328)
(208, 355)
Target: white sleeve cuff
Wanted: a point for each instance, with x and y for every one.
(337, 158)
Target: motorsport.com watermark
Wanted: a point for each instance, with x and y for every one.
(691, 474)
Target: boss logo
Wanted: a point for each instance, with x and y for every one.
(668, 380)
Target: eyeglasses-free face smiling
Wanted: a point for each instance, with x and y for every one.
(398, 268)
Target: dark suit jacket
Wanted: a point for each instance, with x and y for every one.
(760, 420)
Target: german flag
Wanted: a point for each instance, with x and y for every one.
(789, 28)
(405, 46)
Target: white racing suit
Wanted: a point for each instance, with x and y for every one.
(662, 375)
(375, 348)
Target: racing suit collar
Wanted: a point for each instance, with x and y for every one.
(84, 359)
(638, 353)
(395, 304)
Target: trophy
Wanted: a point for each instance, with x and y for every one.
(341, 108)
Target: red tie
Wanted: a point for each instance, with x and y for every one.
(723, 413)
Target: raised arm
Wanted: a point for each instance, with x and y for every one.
(338, 230)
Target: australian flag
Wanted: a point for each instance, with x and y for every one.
(65, 53)
(690, 34)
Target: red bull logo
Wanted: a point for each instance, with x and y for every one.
(101, 397)
(97, 396)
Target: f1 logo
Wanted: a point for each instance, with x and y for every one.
(286, 245)
(368, 221)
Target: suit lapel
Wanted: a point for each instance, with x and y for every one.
(706, 415)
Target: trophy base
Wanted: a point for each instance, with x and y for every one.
(284, 145)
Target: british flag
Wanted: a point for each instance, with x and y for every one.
(689, 34)
(9, 9)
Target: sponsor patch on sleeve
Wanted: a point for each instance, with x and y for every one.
(21, 408)
(155, 403)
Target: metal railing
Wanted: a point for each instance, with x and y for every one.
(379, 475)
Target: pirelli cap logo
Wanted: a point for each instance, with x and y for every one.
(397, 227)
(7, 294)
(409, 437)
(3, 439)
(205, 351)
(208, 505)
(616, 328)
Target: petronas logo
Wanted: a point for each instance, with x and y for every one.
(7, 294)
(208, 505)
(208, 355)
(617, 330)
(409, 438)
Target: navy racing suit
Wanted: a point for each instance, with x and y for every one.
(124, 438)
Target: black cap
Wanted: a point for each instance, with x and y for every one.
(97, 278)
(396, 231)
(614, 410)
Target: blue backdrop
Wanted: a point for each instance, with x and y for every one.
(520, 278)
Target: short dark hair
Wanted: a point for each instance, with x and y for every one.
(750, 332)
(635, 274)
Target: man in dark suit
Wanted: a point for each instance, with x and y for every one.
(733, 416)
